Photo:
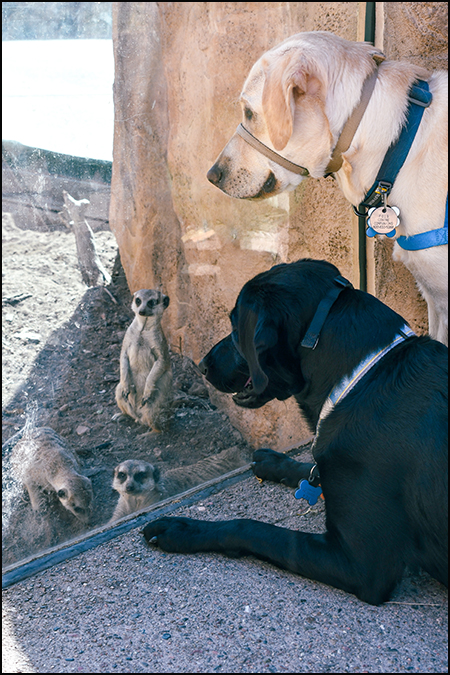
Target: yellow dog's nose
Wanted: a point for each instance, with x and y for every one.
(214, 175)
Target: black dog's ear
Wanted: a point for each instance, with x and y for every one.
(256, 335)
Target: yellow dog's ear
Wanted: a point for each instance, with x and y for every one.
(286, 79)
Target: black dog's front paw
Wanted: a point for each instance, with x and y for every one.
(177, 535)
(270, 465)
(276, 466)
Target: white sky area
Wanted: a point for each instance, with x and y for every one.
(57, 95)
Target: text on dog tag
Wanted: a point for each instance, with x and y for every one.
(383, 220)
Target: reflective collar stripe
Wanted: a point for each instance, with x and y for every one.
(351, 380)
(348, 382)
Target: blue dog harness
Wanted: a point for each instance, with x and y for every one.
(310, 489)
(437, 237)
(419, 98)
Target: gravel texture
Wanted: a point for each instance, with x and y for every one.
(126, 607)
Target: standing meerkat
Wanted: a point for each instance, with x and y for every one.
(43, 462)
(145, 389)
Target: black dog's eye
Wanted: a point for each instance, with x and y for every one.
(138, 301)
(248, 114)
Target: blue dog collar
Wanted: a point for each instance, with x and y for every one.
(347, 384)
(419, 98)
(311, 489)
(350, 381)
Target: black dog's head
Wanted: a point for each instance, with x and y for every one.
(259, 361)
(263, 358)
(229, 372)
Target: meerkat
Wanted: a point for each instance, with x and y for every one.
(183, 478)
(136, 482)
(140, 484)
(43, 462)
(145, 390)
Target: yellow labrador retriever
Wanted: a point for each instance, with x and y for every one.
(317, 104)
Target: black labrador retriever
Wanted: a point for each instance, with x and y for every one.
(376, 396)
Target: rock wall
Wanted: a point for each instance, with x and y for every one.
(179, 71)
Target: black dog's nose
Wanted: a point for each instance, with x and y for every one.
(203, 368)
(214, 175)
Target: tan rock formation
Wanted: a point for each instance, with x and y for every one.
(179, 71)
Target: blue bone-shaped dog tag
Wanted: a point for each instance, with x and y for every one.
(308, 492)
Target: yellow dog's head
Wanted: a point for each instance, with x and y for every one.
(296, 100)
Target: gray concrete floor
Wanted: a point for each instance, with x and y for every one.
(126, 607)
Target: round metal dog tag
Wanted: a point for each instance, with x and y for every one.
(383, 220)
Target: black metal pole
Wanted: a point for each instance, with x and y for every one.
(369, 36)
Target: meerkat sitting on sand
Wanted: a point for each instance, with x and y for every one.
(145, 389)
(139, 483)
(43, 462)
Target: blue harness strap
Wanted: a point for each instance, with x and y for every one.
(419, 98)
(422, 240)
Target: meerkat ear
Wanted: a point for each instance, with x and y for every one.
(166, 301)
(156, 474)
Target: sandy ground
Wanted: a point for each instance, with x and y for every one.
(61, 347)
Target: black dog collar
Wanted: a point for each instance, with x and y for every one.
(313, 333)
